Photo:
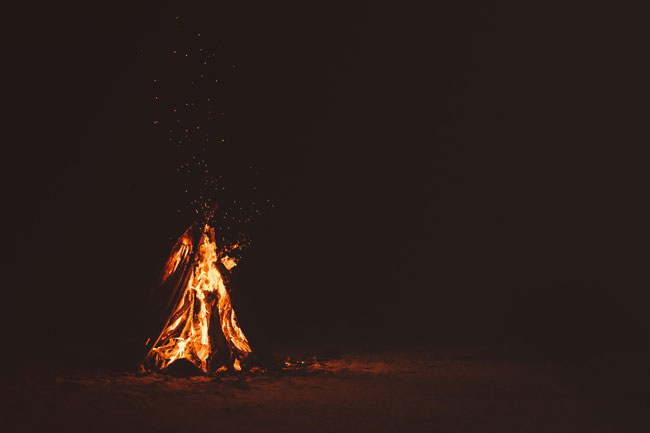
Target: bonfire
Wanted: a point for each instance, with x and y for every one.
(195, 317)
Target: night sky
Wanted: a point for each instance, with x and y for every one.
(469, 171)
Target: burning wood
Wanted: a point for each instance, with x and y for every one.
(194, 281)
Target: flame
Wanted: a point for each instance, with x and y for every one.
(182, 248)
(187, 334)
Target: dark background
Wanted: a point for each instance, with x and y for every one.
(448, 173)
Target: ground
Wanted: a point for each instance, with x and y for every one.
(405, 390)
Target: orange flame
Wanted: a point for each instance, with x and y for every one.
(187, 334)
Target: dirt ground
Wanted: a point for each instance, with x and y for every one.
(425, 390)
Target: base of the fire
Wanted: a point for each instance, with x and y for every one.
(185, 368)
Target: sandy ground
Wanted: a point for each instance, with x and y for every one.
(404, 391)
